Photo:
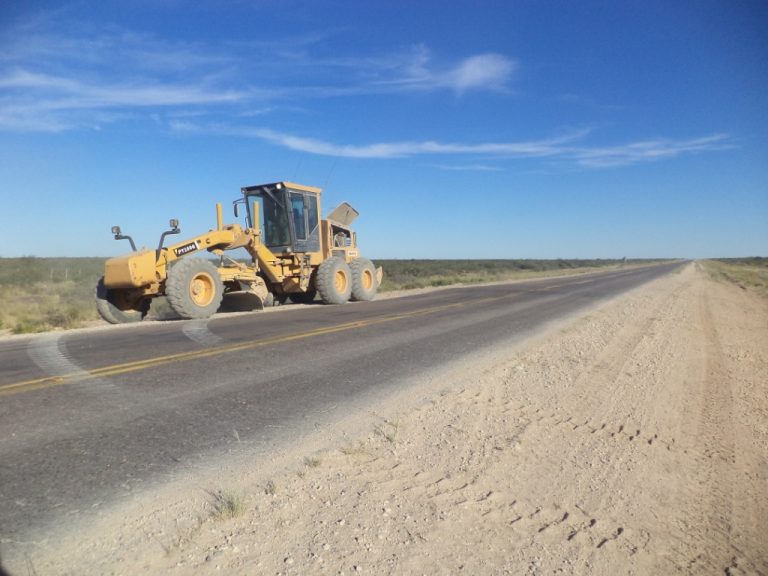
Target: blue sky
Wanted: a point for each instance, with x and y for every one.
(512, 129)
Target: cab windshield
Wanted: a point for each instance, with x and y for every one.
(273, 215)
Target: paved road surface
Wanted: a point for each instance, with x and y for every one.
(89, 416)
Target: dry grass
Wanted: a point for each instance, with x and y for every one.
(411, 274)
(39, 294)
(748, 273)
(388, 430)
(227, 504)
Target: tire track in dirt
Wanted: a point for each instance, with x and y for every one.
(708, 543)
(598, 415)
(581, 529)
(557, 518)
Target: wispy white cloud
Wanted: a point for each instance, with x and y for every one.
(43, 41)
(570, 147)
(649, 150)
(45, 102)
(416, 71)
(469, 168)
(65, 93)
(529, 149)
(481, 71)
(84, 78)
(47, 75)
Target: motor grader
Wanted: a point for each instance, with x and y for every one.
(293, 255)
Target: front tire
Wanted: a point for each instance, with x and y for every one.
(116, 307)
(194, 288)
(334, 281)
(364, 284)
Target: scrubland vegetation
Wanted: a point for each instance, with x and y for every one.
(39, 294)
(410, 274)
(746, 272)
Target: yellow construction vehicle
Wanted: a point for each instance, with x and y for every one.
(293, 254)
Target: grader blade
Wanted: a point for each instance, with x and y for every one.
(241, 301)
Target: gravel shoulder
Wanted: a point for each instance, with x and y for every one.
(633, 440)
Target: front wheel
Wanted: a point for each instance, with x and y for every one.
(194, 288)
(334, 281)
(118, 306)
(364, 283)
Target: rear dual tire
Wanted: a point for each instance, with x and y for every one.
(338, 281)
(364, 284)
(334, 281)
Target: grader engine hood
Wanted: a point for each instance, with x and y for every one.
(343, 214)
(130, 271)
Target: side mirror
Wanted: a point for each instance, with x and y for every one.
(174, 224)
(236, 210)
(119, 236)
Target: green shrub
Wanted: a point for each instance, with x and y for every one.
(29, 325)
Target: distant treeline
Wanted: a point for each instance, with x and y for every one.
(408, 274)
(31, 269)
(757, 261)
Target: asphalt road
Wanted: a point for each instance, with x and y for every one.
(87, 417)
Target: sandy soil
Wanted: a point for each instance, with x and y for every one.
(632, 441)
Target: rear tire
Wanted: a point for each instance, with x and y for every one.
(116, 308)
(334, 281)
(194, 288)
(364, 285)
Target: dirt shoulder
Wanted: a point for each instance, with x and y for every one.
(632, 441)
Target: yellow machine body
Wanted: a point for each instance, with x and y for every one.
(131, 270)
(287, 243)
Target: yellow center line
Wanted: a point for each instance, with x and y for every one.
(567, 284)
(550, 287)
(114, 369)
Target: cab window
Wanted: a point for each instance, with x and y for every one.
(299, 216)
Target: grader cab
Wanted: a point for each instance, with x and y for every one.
(293, 253)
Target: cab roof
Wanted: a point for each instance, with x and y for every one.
(279, 185)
